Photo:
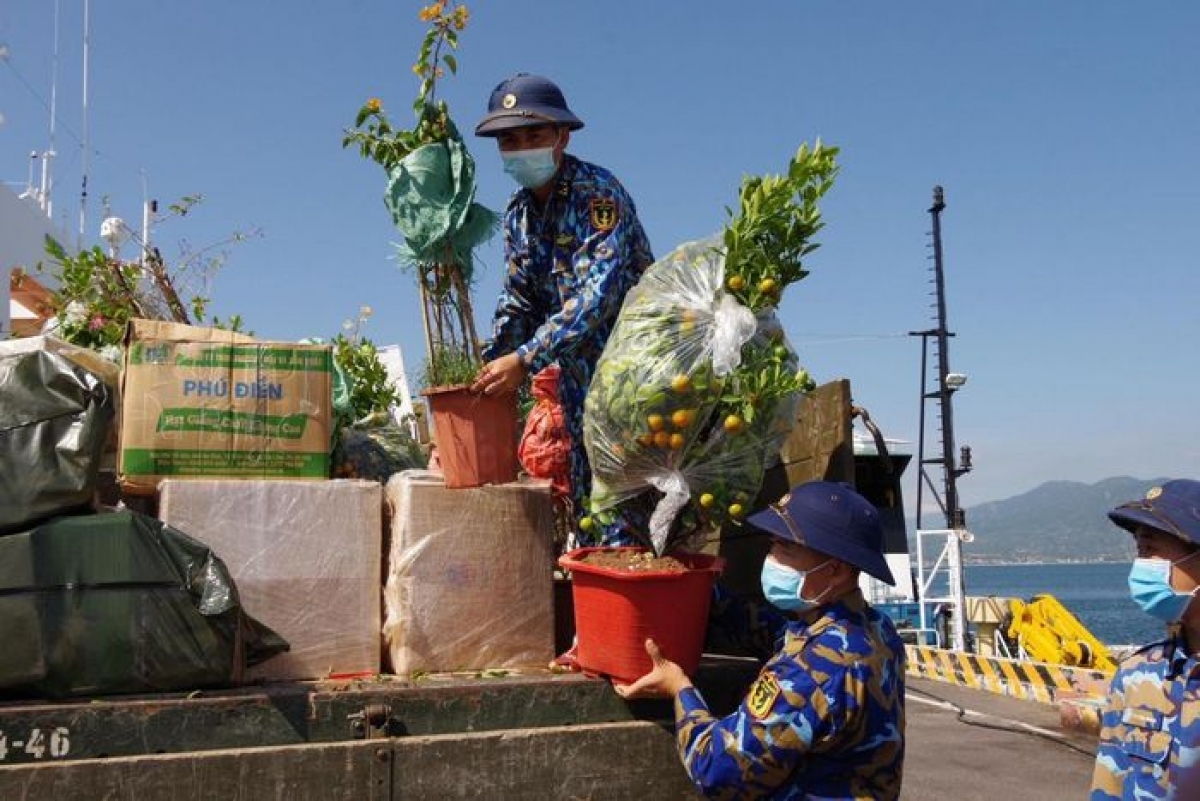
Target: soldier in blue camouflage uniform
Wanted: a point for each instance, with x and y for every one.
(825, 717)
(574, 247)
(1150, 730)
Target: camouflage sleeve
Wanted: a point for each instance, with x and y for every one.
(755, 750)
(1147, 748)
(513, 322)
(1109, 774)
(605, 268)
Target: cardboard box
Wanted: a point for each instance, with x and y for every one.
(307, 561)
(469, 575)
(206, 402)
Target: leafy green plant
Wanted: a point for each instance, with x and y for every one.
(658, 404)
(773, 229)
(96, 294)
(440, 253)
(450, 366)
(371, 389)
(374, 134)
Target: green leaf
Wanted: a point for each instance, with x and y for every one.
(452, 63)
(55, 249)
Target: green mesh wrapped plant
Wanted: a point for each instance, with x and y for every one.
(431, 196)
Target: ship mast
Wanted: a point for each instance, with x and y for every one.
(955, 532)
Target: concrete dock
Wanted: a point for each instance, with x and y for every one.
(997, 747)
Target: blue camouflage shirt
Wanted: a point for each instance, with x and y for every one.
(569, 267)
(824, 718)
(1150, 730)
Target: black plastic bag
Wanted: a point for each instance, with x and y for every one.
(55, 417)
(120, 603)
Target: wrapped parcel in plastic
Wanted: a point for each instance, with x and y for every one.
(690, 401)
(57, 403)
(120, 603)
(468, 575)
(306, 558)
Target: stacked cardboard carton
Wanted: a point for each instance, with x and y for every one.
(469, 583)
(204, 402)
(305, 558)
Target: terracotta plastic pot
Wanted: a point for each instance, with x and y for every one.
(476, 436)
(616, 610)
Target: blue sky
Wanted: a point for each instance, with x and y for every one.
(1065, 135)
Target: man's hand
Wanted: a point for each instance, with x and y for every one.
(665, 679)
(500, 376)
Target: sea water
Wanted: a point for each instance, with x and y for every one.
(1096, 593)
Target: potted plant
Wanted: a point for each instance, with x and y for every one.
(431, 196)
(691, 400)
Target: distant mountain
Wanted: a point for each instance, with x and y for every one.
(1055, 522)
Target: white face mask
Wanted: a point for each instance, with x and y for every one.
(1150, 587)
(530, 168)
(783, 586)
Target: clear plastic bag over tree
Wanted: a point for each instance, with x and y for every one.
(666, 410)
(697, 385)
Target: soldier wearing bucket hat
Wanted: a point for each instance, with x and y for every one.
(574, 247)
(1151, 723)
(825, 718)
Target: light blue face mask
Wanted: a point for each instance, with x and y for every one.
(782, 586)
(530, 168)
(1150, 587)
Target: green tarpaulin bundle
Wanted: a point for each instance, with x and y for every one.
(431, 196)
(55, 417)
(120, 603)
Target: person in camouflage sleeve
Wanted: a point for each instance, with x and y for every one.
(574, 247)
(1150, 728)
(825, 717)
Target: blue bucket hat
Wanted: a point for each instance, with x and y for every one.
(1173, 507)
(833, 519)
(525, 100)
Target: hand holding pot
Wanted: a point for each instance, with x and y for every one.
(665, 680)
(500, 376)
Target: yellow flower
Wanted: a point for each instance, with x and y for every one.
(431, 11)
(461, 15)
(373, 104)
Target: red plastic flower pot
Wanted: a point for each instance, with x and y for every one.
(616, 610)
(476, 436)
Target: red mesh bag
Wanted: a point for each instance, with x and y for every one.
(545, 445)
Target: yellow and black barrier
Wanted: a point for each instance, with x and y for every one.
(1031, 681)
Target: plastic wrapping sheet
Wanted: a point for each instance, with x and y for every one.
(307, 559)
(57, 404)
(655, 415)
(431, 195)
(469, 575)
(120, 603)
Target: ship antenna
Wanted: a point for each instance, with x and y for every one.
(84, 184)
(47, 190)
(947, 384)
